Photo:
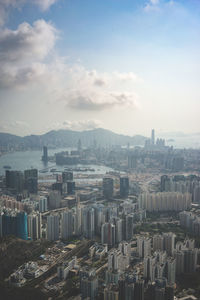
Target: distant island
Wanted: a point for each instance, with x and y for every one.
(68, 138)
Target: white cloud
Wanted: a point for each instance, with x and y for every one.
(27, 42)
(14, 124)
(7, 5)
(28, 59)
(157, 5)
(152, 5)
(22, 53)
(99, 82)
(93, 100)
(154, 2)
(126, 76)
(23, 77)
(77, 125)
(82, 125)
(93, 90)
(44, 4)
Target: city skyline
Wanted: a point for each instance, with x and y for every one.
(126, 66)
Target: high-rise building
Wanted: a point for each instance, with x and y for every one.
(131, 288)
(139, 290)
(165, 242)
(119, 230)
(57, 186)
(158, 242)
(169, 242)
(129, 226)
(108, 187)
(54, 200)
(164, 183)
(53, 227)
(31, 180)
(143, 246)
(114, 257)
(108, 234)
(43, 204)
(45, 154)
(190, 260)
(111, 292)
(71, 187)
(79, 148)
(169, 292)
(34, 226)
(15, 180)
(132, 161)
(89, 287)
(66, 225)
(88, 222)
(129, 291)
(78, 220)
(67, 176)
(159, 293)
(125, 248)
(171, 270)
(165, 201)
(99, 217)
(14, 223)
(152, 137)
(179, 256)
(124, 186)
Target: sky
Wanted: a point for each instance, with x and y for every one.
(123, 65)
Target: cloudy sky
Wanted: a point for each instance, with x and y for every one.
(124, 65)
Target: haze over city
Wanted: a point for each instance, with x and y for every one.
(99, 150)
(123, 65)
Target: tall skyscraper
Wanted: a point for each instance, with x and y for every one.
(169, 242)
(114, 257)
(45, 154)
(139, 290)
(67, 176)
(111, 292)
(129, 219)
(43, 204)
(153, 137)
(108, 187)
(54, 199)
(15, 180)
(132, 161)
(124, 186)
(89, 287)
(108, 234)
(14, 223)
(53, 227)
(66, 225)
(143, 246)
(158, 242)
(119, 230)
(79, 145)
(88, 222)
(31, 180)
(34, 226)
(71, 187)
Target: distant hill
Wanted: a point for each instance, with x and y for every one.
(69, 138)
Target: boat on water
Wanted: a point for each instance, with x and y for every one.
(79, 169)
(7, 167)
(43, 171)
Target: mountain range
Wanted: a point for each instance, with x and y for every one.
(69, 138)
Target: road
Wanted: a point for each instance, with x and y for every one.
(83, 245)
